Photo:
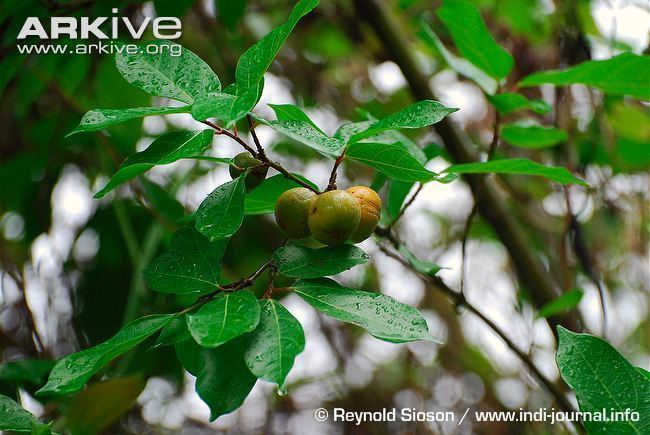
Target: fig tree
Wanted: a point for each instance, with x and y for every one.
(333, 217)
(292, 210)
(258, 169)
(370, 204)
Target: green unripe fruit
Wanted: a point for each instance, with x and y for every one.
(258, 169)
(292, 210)
(334, 216)
(370, 204)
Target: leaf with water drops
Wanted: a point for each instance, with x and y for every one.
(182, 76)
(305, 133)
(256, 60)
(223, 381)
(417, 115)
(394, 160)
(380, 315)
(190, 265)
(166, 149)
(275, 343)
(289, 112)
(16, 419)
(174, 332)
(71, 373)
(603, 380)
(227, 316)
(99, 119)
(262, 199)
(303, 262)
(221, 214)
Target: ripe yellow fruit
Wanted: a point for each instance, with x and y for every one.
(292, 211)
(333, 217)
(258, 169)
(370, 204)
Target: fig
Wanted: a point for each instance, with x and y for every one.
(258, 169)
(292, 210)
(370, 204)
(333, 217)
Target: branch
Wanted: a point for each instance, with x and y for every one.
(459, 300)
(406, 205)
(331, 185)
(530, 269)
(261, 155)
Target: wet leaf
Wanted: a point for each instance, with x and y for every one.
(221, 214)
(14, 418)
(99, 119)
(394, 160)
(303, 262)
(519, 166)
(533, 136)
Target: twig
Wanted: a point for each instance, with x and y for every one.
(406, 205)
(331, 185)
(459, 300)
(261, 156)
(481, 183)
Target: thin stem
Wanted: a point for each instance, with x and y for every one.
(406, 205)
(459, 300)
(261, 156)
(470, 219)
(331, 185)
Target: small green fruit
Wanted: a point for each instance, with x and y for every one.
(292, 210)
(370, 204)
(334, 216)
(258, 169)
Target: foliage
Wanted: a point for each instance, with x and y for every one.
(222, 326)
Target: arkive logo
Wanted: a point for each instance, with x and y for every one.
(84, 27)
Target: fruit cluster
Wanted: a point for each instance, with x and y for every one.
(332, 218)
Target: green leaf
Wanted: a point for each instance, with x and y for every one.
(256, 60)
(250, 73)
(459, 64)
(30, 370)
(99, 119)
(422, 266)
(72, 372)
(101, 404)
(393, 160)
(305, 133)
(227, 316)
(190, 265)
(563, 303)
(603, 380)
(275, 343)
(397, 193)
(162, 201)
(223, 381)
(380, 315)
(218, 105)
(14, 418)
(182, 77)
(519, 166)
(473, 39)
(262, 199)
(533, 136)
(174, 332)
(289, 112)
(303, 262)
(625, 74)
(221, 214)
(166, 149)
(417, 115)
(511, 102)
